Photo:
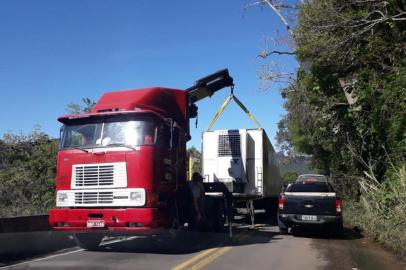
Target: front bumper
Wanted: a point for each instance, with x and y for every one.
(137, 220)
(295, 219)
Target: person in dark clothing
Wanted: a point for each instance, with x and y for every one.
(197, 188)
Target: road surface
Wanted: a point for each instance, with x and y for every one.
(259, 248)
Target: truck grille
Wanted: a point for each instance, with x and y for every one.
(229, 144)
(114, 197)
(93, 197)
(99, 175)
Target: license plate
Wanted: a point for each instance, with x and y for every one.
(309, 218)
(95, 223)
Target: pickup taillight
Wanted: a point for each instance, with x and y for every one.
(339, 203)
(281, 203)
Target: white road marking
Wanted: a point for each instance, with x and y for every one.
(66, 253)
(41, 259)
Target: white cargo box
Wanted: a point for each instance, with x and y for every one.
(244, 160)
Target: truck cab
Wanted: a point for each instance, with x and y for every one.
(122, 166)
(118, 169)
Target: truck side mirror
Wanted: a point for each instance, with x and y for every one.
(174, 137)
(61, 130)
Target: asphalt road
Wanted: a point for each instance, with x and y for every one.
(259, 248)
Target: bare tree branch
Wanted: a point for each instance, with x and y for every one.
(279, 5)
(279, 14)
(276, 7)
(265, 53)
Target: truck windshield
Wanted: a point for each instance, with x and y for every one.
(109, 132)
(311, 187)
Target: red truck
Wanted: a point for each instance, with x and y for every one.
(122, 167)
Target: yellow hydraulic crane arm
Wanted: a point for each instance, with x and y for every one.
(206, 87)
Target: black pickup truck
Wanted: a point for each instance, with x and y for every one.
(310, 203)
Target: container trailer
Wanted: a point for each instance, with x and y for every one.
(245, 162)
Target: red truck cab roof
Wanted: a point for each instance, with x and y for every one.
(166, 102)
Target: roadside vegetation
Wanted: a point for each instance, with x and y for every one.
(347, 107)
(27, 174)
(28, 169)
(194, 155)
(381, 209)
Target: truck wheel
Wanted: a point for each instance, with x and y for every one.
(283, 229)
(88, 241)
(219, 220)
(271, 208)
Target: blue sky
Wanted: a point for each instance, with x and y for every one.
(56, 52)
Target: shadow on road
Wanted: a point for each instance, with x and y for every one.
(326, 233)
(21, 245)
(184, 243)
(194, 241)
(187, 242)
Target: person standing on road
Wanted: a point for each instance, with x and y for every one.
(197, 189)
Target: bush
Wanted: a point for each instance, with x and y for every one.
(27, 174)
(289, 177)
(381, 211)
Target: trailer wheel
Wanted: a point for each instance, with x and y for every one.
(88, 241)
(219, 216)
(271, 208)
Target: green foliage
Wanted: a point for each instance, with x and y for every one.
(86, 107)
(27, 174)
(289, 177)
(197, 159)
(359, 46)
(363, 43)
(382, 208)
(299, 164)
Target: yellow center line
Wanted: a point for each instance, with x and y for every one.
(195, 258)
(208, 255)
(210, 258)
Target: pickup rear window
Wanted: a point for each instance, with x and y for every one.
(310, 187)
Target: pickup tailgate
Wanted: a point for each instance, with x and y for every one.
(310, 203)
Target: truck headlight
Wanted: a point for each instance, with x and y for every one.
(137, 196)
(61, 198)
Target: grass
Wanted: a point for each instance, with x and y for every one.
(381, 210)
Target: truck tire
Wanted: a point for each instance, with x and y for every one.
(214, 216)
(283, 229)
(219, 216)
(88, 241)
(272, 210)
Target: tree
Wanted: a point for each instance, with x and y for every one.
(273, 73)
(27, 173)
(86, 107)
(196, 158)
(358, 47)
(289, 177)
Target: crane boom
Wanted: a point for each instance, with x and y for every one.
(207, 86)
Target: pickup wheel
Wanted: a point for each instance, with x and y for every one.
(283, 229)
(88, 241)
(338, 229)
